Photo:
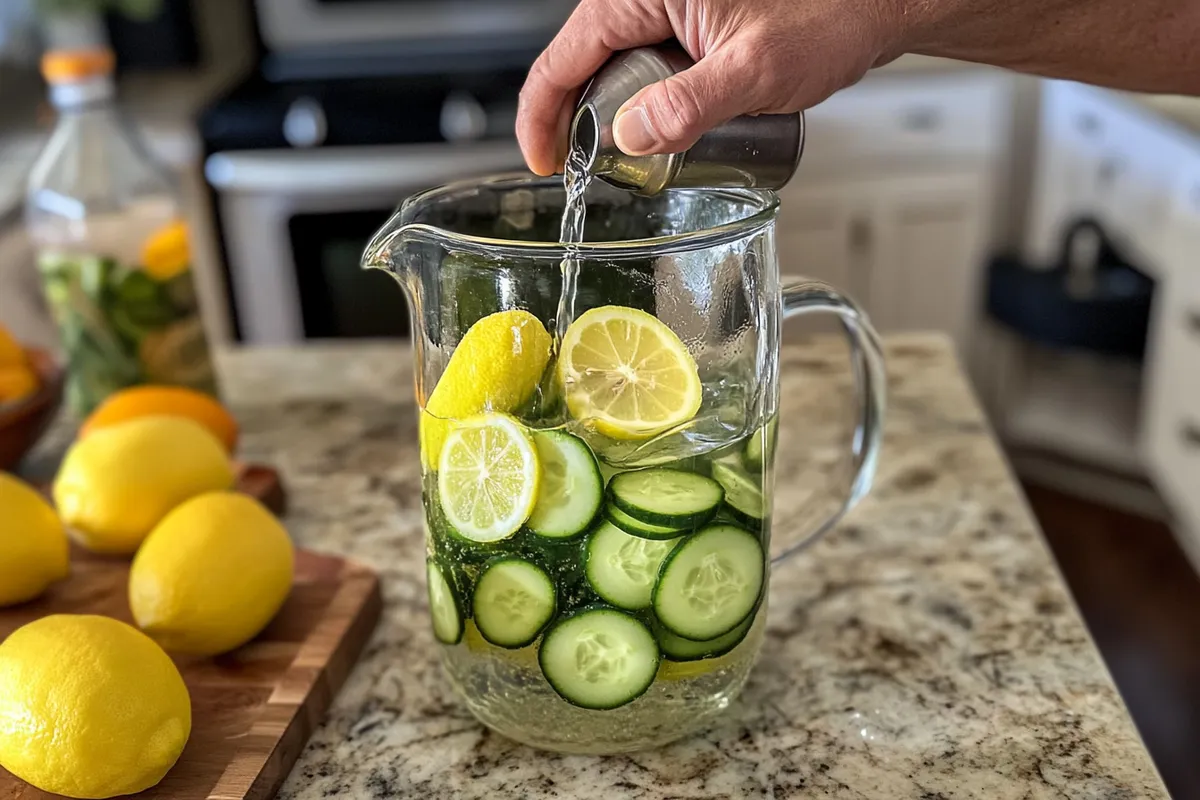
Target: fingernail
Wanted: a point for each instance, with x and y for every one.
(632, 131)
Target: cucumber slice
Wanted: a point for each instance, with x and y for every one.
(636, 527)
(763, 440)
(742, 495)
(667, 497)
(599, 658)
(514, 599)
(571, 490)
(443, 605)
(623, 568)
(710, 582)
(676, 648)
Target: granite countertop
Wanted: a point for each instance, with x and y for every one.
(927, 648)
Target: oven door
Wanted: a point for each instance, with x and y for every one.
(293, 225)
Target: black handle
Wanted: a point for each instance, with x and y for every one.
(1193, 321)
(1190, 433)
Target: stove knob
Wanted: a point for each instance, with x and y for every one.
(304, 125)
(463, 118)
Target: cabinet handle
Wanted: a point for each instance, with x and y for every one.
(923, 118)
(1087, 124)
(1190, 433)
(860, 235)
(1110, 168)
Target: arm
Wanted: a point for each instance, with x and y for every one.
(1147, 45)
(776, 56)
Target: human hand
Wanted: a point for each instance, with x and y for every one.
(752, 57)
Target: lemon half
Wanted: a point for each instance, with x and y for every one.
(626, 374)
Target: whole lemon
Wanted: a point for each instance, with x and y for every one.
(116, 484)
(33, 543)
(211, 575)
(89, 707)
(495, 367)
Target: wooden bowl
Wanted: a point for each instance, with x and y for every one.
(22, 423)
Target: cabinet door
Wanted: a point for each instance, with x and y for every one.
(821, 232)
(1171, 408)
(930, 247)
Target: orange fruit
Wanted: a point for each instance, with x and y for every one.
(11, 353)
(17, 381)
(172, 401)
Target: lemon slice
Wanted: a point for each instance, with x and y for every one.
(488, 477)
(626, 374)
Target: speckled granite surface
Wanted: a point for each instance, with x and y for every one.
(926, 649)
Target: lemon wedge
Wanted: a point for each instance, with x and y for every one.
(495, 368)
(488, 477)
(626, 374)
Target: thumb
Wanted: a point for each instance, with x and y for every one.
(669, 116)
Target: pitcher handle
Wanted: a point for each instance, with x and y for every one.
(870, 385)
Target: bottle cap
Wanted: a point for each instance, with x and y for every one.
(69, 66)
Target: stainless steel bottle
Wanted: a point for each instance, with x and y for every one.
(748, 151)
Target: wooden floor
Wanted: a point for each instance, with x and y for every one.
(1141, 599)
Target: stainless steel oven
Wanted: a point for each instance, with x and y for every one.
(293, 224)
(340, 35)
(356, 104)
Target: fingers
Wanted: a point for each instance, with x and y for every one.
(595, 30)
(669, 116)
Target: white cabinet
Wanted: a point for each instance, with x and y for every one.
(818, 234)
(929, 248)
(908, 247)
(1099, 156)
(893, 199)
(1171, 438)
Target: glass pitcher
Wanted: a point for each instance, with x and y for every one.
(598, 496)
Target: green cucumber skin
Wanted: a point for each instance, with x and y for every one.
(584, 610)
(581, 531)
(732, 516)
(732, 476)
(549, 619)
(763, 438)
(634, 528)
(665, 520)
(675, 553)
(449, 576)
(721, 644)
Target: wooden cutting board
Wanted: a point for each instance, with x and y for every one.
(252, 709)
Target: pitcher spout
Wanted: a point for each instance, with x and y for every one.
(387, 248)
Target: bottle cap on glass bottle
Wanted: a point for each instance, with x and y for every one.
(78, 76)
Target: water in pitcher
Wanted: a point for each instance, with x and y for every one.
(626, 604)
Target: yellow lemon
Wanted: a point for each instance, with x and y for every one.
(33, 544)
(496, 367)
(166, 253)
(89, 707)
(116, 484)
(211, 575)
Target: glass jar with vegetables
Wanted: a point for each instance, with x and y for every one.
(112, 248)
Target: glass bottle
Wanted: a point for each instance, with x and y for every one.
(112, 248)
